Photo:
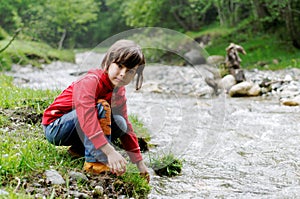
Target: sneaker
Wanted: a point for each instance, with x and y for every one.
(95, 167)
(75, 153)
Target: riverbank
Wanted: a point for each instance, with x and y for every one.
(232, 147)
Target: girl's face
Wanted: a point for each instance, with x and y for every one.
(119, 75)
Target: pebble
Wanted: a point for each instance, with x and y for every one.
(53, 177)
(78, 176)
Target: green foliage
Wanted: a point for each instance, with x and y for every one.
(136, 186)
(13, 97)
(78, 13)
(139, 13)
(3, 33)
(139, 128)
(262, 50)
(29, 52)
(87, 22)
(5, 61)
(166, 165)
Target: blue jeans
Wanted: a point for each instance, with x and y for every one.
(65, 131)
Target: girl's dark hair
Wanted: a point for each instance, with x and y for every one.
(129, 54)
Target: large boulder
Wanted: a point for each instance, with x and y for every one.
(245, 89)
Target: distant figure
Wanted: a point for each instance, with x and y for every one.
(233, 61)
(92, 112)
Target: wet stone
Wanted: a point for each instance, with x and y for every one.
(53, 177)
(78, 176)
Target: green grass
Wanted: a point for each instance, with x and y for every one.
(214, 30)
(139, 128)
(24, 151)
(30, 52)
(166, 165)
(262, 48)
(14, 97)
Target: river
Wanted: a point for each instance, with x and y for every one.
(232, 147)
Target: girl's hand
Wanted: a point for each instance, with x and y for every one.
(116, 162)
(143, 170)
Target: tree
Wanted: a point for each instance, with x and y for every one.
(280, 13)
(70, 15)
(231, 12)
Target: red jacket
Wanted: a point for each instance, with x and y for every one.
(82, 95)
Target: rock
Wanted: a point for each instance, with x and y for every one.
(98, 190)
(240, 89)
(288, 78)
(255, 90)
(78, 194)
(53, 177)
(245, 89)
(227, 82)
(78, 176)
(291, 102)
(194, 57)
(152, 87)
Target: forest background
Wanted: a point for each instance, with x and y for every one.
(266, 26)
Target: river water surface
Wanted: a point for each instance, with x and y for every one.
(232, 147)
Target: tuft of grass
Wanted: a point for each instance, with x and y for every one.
(139, 128)
(166, 165)
(136, 186)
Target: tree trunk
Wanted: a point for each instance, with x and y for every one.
(220, 13)
(177, 17)
(290, 21)
(62, 39)
(260, 9)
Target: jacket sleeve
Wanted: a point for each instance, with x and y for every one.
(84, 97)
(129, 139)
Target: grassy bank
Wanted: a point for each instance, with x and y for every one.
(264, 50)
(25, 154)
(29, 52)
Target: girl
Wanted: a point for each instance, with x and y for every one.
(91, 113)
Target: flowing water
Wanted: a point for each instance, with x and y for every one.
(232, 147)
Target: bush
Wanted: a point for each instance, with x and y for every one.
(5, 62)
(3, 34)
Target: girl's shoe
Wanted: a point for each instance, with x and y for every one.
(95, 167)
